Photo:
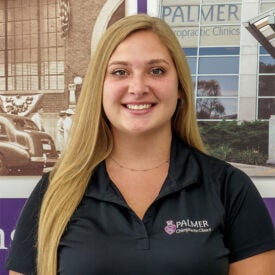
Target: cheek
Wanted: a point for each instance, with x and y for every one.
(169, 91)
(107, 109)
(171, 98)
(106, 98)
(112, 91)
(174, 105)
(108, 91)
(110, 98)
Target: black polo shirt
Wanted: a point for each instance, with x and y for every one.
(207, 215)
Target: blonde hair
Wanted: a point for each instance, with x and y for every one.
(91, 140)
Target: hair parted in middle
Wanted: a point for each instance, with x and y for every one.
(183, 122)
(91, 139)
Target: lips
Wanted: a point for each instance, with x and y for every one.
(138, 106)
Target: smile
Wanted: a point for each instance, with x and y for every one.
(138, 106)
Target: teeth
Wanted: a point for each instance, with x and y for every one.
(138, 107)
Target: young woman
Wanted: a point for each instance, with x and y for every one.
(134, 193)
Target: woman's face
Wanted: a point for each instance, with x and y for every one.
(141, 86)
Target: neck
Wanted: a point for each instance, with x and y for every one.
(142, 151)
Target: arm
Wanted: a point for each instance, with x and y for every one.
(261, 264)
(249, 228)
(22, 252)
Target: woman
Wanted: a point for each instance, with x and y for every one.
(134, 193)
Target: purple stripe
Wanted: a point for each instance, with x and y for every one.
(142, 6)
(270, 204)
(9, 212)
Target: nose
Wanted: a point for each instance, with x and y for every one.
(138, 85)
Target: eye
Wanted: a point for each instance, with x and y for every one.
(157, 71)
(119, 72)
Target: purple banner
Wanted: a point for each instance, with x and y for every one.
(9, 212)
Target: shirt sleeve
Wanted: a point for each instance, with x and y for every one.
(248, 225)
(22, 253)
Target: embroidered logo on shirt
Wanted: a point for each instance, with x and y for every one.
(170, 228)
(187, 226)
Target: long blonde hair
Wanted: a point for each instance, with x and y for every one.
(91, 140)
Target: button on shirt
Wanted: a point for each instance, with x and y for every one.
(200, 222)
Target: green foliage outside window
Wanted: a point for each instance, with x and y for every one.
(239, 142)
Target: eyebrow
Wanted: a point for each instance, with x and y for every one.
(150, 62)
(158, 60)
(118, 63)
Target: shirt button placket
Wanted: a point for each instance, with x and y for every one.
(142, 240)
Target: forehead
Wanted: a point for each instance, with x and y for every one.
(141, 43)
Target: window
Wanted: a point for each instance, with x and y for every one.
(217, 86)
(32, 50)
(218, 65)
(266, 107)
(216, 108)
(215, 73)
(266, 84)
(3, 132)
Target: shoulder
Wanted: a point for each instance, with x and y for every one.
(33, 203)
(214, 168)
(225, 180)
(40, 188)
(230, 181)
(22, 253)
(209, 168)
(30, 212)
(245, 234)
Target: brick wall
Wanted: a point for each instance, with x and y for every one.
(84, 14)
